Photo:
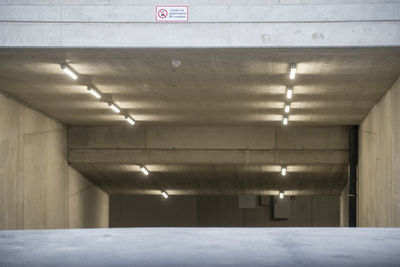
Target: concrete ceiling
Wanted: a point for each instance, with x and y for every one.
(216, 179)
(210, 87)
(214, 88)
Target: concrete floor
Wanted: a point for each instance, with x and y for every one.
(202, 247)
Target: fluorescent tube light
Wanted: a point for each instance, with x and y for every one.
(94, 92)
(130, 120)
(292, 71)
(114, 108)
(287, 108)
(283, 171)
(285, 120)
(289, 92)
(164, 194)
(144, 170)
(281, 195)
(69, 71)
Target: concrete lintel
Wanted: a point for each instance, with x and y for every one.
(204, 35)
(244, 12)
(203, 156)
(223, 24)
(191, 137)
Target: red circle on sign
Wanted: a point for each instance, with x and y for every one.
(162, 13)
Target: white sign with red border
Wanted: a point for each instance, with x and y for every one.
(172, 13)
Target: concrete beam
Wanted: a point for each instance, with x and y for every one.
(199, 156)
(202, 35)
(208, 145)
(132, 24)
(212, 160)
(203, 13)
(231, 138)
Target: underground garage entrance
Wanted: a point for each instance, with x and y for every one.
(237, 145)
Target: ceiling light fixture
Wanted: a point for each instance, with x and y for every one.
(164, 194)
(283, 171)
(94, 92)
(285, 120)
(114, 107)
(281, 195)
(287, 108)
(144, 170)
(68, 71)
(292, 71)
(130, 120)
(289, 92)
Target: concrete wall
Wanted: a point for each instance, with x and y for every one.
(239, 23)
(379, 163)
(87, 204)
(38, 189)
(204, 211)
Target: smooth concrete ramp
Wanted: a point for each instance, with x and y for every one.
(202, 247)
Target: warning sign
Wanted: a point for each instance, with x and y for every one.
(172, 13)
